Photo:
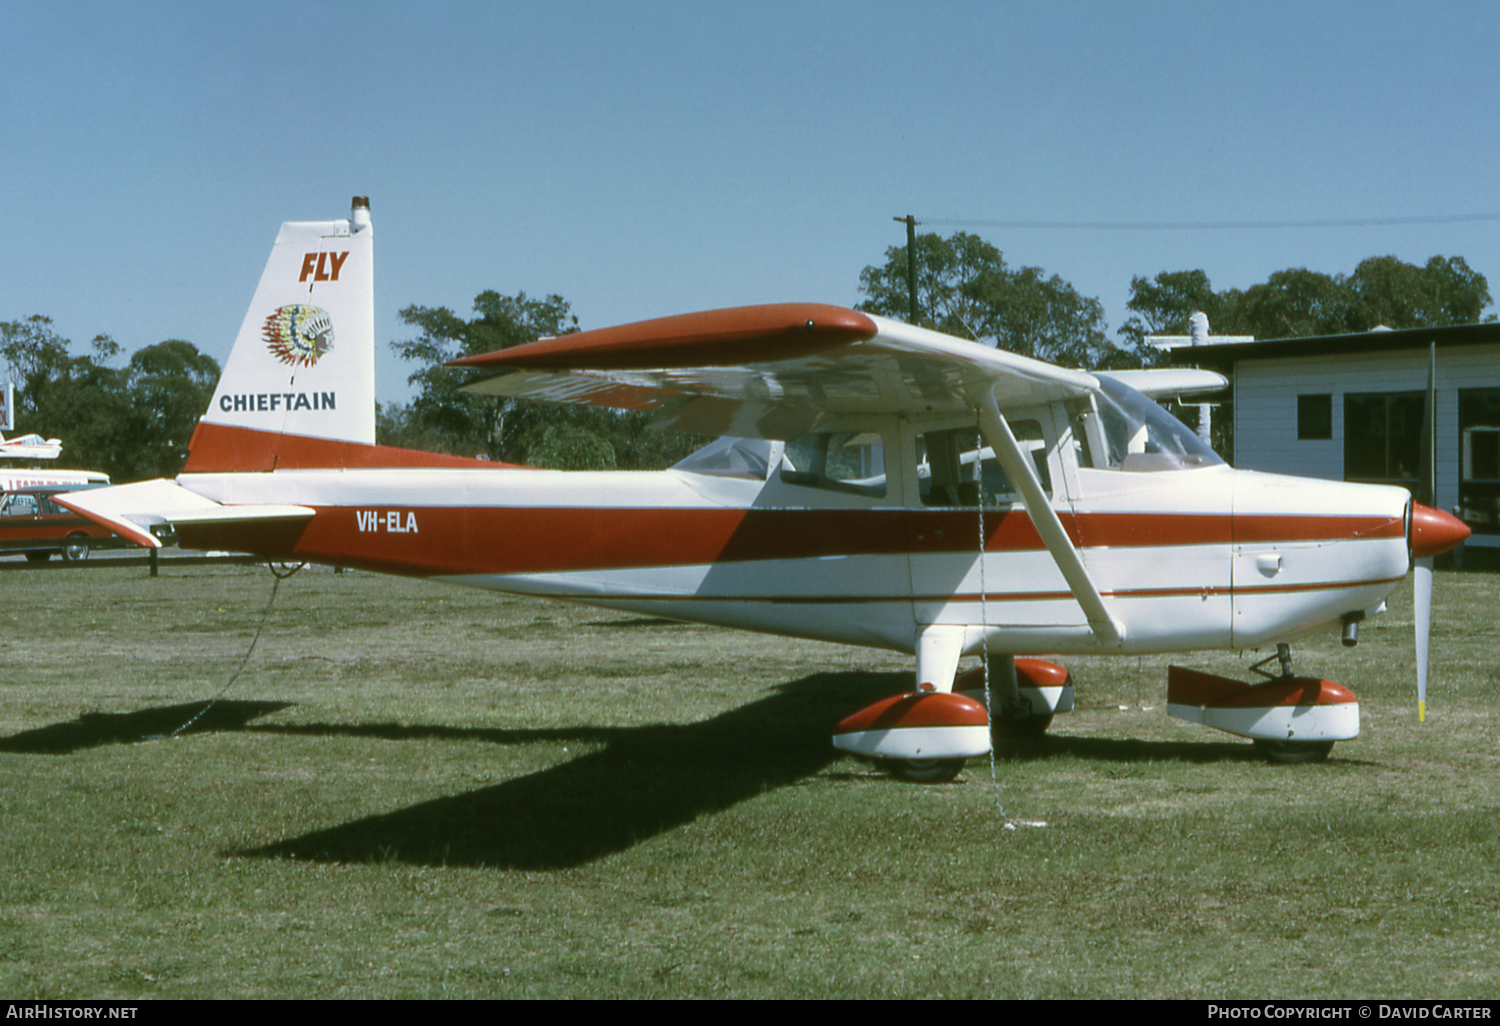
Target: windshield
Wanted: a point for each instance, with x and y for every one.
(1140, 435)
(734, 457)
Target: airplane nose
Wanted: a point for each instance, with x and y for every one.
(1434, 532)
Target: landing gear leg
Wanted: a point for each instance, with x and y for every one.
(1283, 659)
(1017, 717)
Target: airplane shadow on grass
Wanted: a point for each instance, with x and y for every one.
(96, 729)
(644, 781)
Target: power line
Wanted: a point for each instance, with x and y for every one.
(1353, 222)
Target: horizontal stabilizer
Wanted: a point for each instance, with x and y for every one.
(132, 510)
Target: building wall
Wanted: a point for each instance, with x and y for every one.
(1265, 406)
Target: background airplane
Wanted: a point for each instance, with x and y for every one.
(874, 484)
(30, 447)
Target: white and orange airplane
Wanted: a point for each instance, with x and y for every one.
(30, 447)
(873, 484)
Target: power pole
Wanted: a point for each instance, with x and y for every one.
(911, 266)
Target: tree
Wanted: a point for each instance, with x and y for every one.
(1401, 295)
(945, 267)
(571, 447)
(1165, 305)
(1045, 318)
(468, 424)
(169, 385)
(59, 395)
(26, 346)
(560, 436)
(84, 404)
(965, 289)
(1297, 302)
(396, 425)
(132, 422)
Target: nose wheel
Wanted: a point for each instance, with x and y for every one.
(923, 771)
(1293, 752)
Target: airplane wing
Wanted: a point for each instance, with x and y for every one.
(771, 371)
(132, 510)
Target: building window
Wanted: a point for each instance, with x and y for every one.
(1383, 438)
(1314, 418)
(1479, 459)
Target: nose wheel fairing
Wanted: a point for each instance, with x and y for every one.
(1284, 709)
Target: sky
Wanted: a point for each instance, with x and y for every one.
(642, 159)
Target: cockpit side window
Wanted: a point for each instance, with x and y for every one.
(839, 461)
(947, 459)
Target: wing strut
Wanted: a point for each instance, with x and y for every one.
(1107, 630)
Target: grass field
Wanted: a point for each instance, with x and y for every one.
(420, 792)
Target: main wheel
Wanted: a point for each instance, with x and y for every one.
(38, 557)
(75, 549)
(923, 771)
(1293, 751)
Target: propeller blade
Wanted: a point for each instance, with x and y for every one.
(1422, 599)
(1433, 533)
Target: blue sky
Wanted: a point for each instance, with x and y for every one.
(645, 159)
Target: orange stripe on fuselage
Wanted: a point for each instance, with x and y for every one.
(446, 540)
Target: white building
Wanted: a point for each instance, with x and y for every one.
(1349, 408)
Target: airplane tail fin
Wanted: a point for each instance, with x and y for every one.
(298, 389)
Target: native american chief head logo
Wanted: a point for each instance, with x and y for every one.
(298, 334)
